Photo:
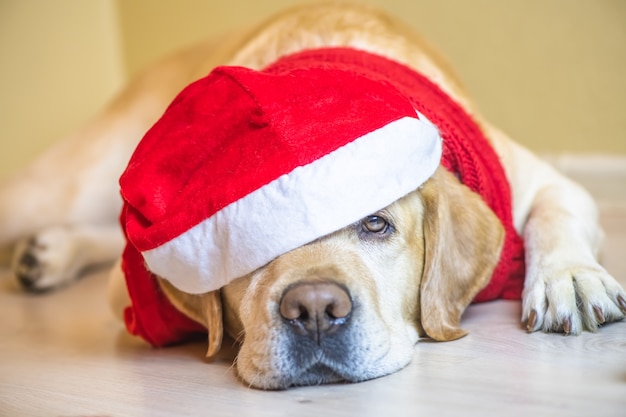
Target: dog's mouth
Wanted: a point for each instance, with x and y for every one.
(325, 363)
(318, 373)
(324, 371)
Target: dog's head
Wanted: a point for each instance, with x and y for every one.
(351, 305)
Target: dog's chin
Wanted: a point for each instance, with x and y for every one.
(319, 373)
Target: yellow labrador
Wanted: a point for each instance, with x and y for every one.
(335, 309)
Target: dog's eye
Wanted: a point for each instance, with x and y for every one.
(375, 224)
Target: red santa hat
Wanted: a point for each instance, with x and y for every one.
(245, 166)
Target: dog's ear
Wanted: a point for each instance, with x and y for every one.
(462, 243)
(212, 308)
(206, 309)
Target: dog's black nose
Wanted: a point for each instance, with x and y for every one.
(316, 309)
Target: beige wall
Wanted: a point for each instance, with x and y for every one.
(549, 72)
(59, 62)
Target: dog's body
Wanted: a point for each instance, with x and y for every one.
(63, 211)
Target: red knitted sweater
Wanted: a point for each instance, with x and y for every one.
(466, 152)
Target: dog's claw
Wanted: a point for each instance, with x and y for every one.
(532, 321)
(567, 325)
(599, 315)
(622, 303)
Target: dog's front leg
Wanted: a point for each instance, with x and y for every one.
(566, 289)
(57, 255)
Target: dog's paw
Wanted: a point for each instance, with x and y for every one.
(46, 260)
(572, 299)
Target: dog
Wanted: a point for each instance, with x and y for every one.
(351, 305)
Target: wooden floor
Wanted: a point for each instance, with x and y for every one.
(63, 354)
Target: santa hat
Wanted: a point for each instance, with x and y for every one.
(245, 166)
